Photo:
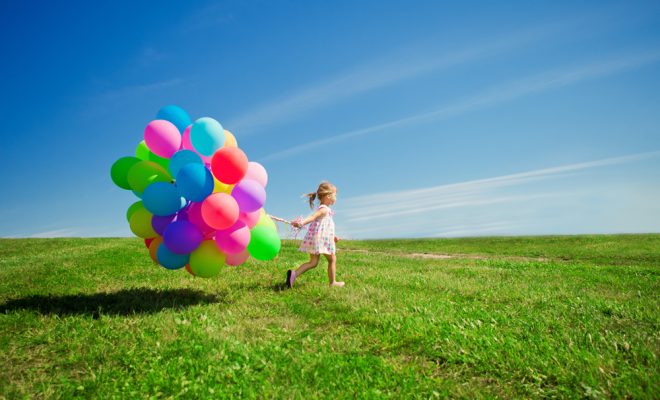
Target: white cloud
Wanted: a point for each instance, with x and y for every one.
(490, 97)
(492, 205)
(64, 232)
(387, 71)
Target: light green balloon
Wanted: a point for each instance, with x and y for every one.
(265, 220)
(207, 259)
(144, 173)
(131, 210)
(120, 169)
(140, 223)
(265, 243)
(142, 151)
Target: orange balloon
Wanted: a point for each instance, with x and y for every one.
(189, 270)
(153, 248)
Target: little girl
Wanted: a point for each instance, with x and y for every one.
(320, 237)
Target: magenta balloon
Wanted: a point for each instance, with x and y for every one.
(257, 172)
(233, 240)
(250, 218)
(186, 144)
(195, 216)
(250, 195)
(185, 139)
(237, 259)
(182, 237)
(162, 138)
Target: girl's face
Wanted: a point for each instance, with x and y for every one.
(330, 199)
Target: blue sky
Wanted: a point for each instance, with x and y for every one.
(433, 119)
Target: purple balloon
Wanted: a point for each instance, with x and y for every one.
(249, 195)
(182, 237)
(159, 223)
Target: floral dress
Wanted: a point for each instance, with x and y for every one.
(320, 237)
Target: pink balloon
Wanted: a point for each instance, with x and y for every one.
(257, 172)
(186, 144)
(220, 211)
(250, 218)
(162, 138)
(233, 240)
(237, 259)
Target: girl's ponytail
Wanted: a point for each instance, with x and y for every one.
(312, 197)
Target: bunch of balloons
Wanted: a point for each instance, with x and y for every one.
(201, 201)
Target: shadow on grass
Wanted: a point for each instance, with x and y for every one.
(123, 302)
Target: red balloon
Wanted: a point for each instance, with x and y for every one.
(148, 241)
(229, 165)
(220, 211)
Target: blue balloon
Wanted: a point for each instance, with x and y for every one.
(194, 182)
(162, 198)
(207, 136)
(171, 260)
(176, 115)
(181, 158)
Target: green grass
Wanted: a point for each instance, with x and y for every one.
(532, 317)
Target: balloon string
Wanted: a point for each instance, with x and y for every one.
(293, 231)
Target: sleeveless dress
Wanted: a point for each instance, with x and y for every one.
(320, 237)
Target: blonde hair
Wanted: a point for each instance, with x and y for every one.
(325, 189)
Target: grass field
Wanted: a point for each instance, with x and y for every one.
(531, 317)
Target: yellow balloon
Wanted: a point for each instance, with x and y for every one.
(220, 187)
(230, 139)
(207, 259)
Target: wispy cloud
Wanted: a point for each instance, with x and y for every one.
(417, 210)
(130, 91)
(207, 17)
(64, 232)
(490, 97)
(399, 66)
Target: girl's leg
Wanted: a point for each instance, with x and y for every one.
(313, 262)
(332, 268)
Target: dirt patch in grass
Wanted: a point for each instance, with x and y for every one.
(444, 256)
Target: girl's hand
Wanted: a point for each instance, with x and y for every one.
(296, 224)
(336, 239)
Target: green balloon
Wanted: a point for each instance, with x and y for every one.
(265, 243)
(119, 171)
(131, 210)
(163, 162)
(142, 151)
(144, 173)
(207, 259)
(140, 223)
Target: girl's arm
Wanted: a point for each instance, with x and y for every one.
(320, 213)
